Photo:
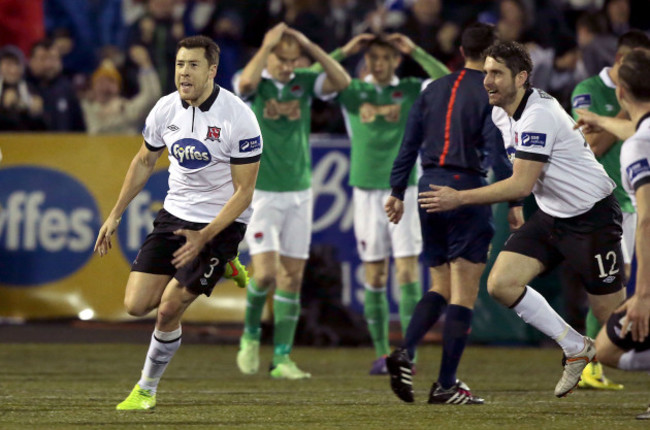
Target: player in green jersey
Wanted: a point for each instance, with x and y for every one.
(280, 230)
(598, 95)
(375, 110)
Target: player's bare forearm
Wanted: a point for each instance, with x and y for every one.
(337, 78)
(244, 178)
(642, 244)
(136, 177)
(252, 74)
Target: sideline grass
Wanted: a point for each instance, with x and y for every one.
(76, 386)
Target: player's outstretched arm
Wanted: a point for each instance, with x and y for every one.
(337, 78)
(590, 122)
(244, 177)
(252, 74)
(518, 186)
(434, 68)
(136, 177)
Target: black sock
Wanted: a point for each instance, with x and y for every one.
(454, 338)
(425, 315)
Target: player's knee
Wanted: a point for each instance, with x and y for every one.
(265, 280)
(499, 285)
(136, 308)
(168, 311)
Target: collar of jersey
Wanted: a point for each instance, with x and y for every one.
(267, 75)
(207, 104)
(394, 81)
(522, 105)
(643, 118)
(607, 80)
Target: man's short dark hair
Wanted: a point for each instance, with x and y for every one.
(634, 39)
(212, 50)
(46, 44)
(515, 57)
(476, 38)
(633, 74)
(381, 41)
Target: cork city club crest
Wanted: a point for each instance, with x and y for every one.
(214, 133)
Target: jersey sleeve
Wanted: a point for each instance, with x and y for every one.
(580, 98)
(246, 141)
(153, 128)
(635, 164)
(536, 136)
(317, 81)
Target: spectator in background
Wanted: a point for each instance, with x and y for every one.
(21, 109)
(226, 27)
(158, 31)
(618, 16)
(425, 26)
(61, 109)
(303, 15)
(597, 46)
(106, 111)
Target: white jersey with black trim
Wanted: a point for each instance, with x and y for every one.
(635, 158)
(572, 181)
(203, 142)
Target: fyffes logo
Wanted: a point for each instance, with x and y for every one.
(137, 221)
(190, 153)
(48, 224)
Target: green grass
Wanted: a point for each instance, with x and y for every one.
(76, 386)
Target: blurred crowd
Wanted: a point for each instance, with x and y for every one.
(100, 65)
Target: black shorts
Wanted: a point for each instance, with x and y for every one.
(202, 273)
(465, 232)
(588, 244)
(614, 328)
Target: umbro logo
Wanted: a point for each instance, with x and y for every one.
(173, 128)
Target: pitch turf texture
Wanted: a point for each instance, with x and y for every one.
(76, 386)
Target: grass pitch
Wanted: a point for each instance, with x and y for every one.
(76, 386)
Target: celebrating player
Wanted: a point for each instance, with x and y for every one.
(579, 221)
(214, 146)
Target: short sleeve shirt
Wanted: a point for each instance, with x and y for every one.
(572, 181)
(598, 95)
(635, 158)
(284, 115)
(375, 118)
(202, 143)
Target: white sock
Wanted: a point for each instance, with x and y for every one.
(635, 360)
(535, 310)
(162, 348)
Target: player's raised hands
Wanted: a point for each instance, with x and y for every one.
(103, 242)
(439, 199)
(301, 38)
(190, 250)
(357, 43)
(273, 36)
(402, 43)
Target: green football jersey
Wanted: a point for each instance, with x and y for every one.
(597, 96)
(376, 119)
(284, 115)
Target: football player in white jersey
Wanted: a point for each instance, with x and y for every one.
(578, 223)
(214, 146)
(625, 341)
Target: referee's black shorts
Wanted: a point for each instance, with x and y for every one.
(201, 274)
(588, 244)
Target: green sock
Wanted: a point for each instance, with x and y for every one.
(255, 300)
(286, 311)
(411, 295)
(592, 327)
(375, 309)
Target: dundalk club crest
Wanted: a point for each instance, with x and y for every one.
(214, 133)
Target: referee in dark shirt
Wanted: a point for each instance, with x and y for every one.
(451, 124)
